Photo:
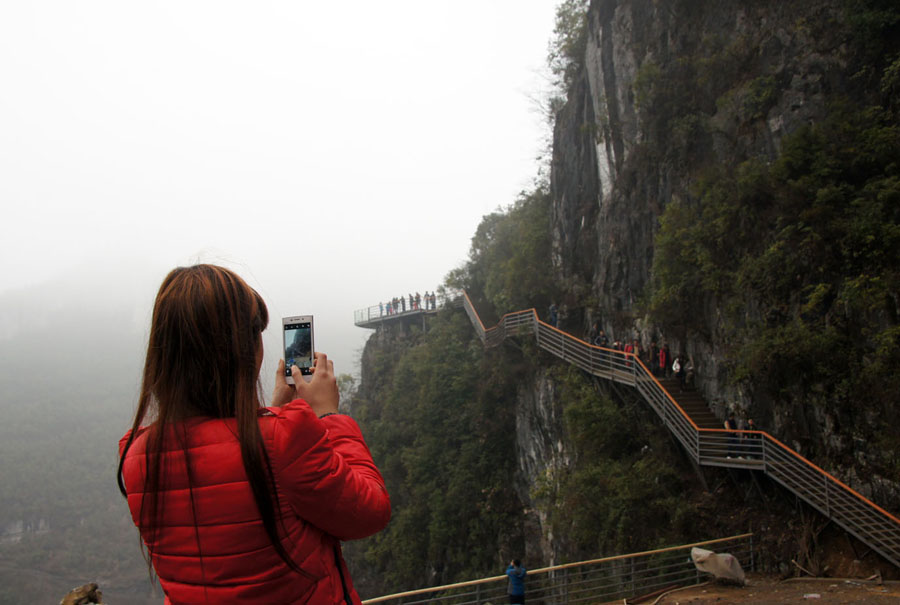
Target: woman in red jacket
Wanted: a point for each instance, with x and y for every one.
(238, 503)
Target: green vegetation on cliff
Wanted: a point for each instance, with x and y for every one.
(509, 266)
(439, 417)
(439, 414)
(622, 492)
(800, 253)
(440, 421)
(802, 257)
(796, 249)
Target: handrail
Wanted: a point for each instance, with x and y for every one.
(382, 311)
(555, 583)
(858, 515)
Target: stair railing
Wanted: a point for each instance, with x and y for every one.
(754, 450)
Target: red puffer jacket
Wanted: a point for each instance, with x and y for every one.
(328, 490)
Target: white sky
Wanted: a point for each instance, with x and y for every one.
(334, 153)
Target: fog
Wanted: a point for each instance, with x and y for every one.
(333, 154)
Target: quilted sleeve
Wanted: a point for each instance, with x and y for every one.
(325, 471)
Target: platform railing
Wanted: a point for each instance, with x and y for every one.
(753, 450)
(593, 581)
(384, 311)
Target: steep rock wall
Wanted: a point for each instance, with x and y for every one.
(628, 142)
(541, 450)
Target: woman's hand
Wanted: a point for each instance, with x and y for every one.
(283, 392)
(321, 393)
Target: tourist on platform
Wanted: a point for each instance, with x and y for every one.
(664, 361)
(554, 314)
(752, 441)
(516, 588)
(733, 437)
(593, 332)
(689, 374)
(601, 340)
(653, 359)
(418, 301)
(680, 371)
(636, 348)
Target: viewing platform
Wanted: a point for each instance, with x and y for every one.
(406, 312)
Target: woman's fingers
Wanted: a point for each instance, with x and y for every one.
(321, 393)
(283, 392)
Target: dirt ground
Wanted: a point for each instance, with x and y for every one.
(768, 589)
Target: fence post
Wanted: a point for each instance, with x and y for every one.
(565, 583)
(633, 585)
(752, 560)
(827, 498)
(478, 593)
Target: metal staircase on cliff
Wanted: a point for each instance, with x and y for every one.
(757, 450)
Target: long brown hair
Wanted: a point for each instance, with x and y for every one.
(203, 360)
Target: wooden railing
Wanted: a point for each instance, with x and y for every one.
(757, 450)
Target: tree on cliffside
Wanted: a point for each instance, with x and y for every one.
(566, 49)
(509, 265)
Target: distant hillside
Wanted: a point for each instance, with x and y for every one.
(69, 367)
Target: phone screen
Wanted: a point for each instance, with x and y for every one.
(298, 347)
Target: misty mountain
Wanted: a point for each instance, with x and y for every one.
(69, 373)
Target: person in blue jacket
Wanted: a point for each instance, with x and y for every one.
(516, 574)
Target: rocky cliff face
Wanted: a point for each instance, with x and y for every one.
(667, 89)
(542, 449)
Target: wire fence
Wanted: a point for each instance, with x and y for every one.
(594, 581)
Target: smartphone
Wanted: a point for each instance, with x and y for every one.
(298, 345)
